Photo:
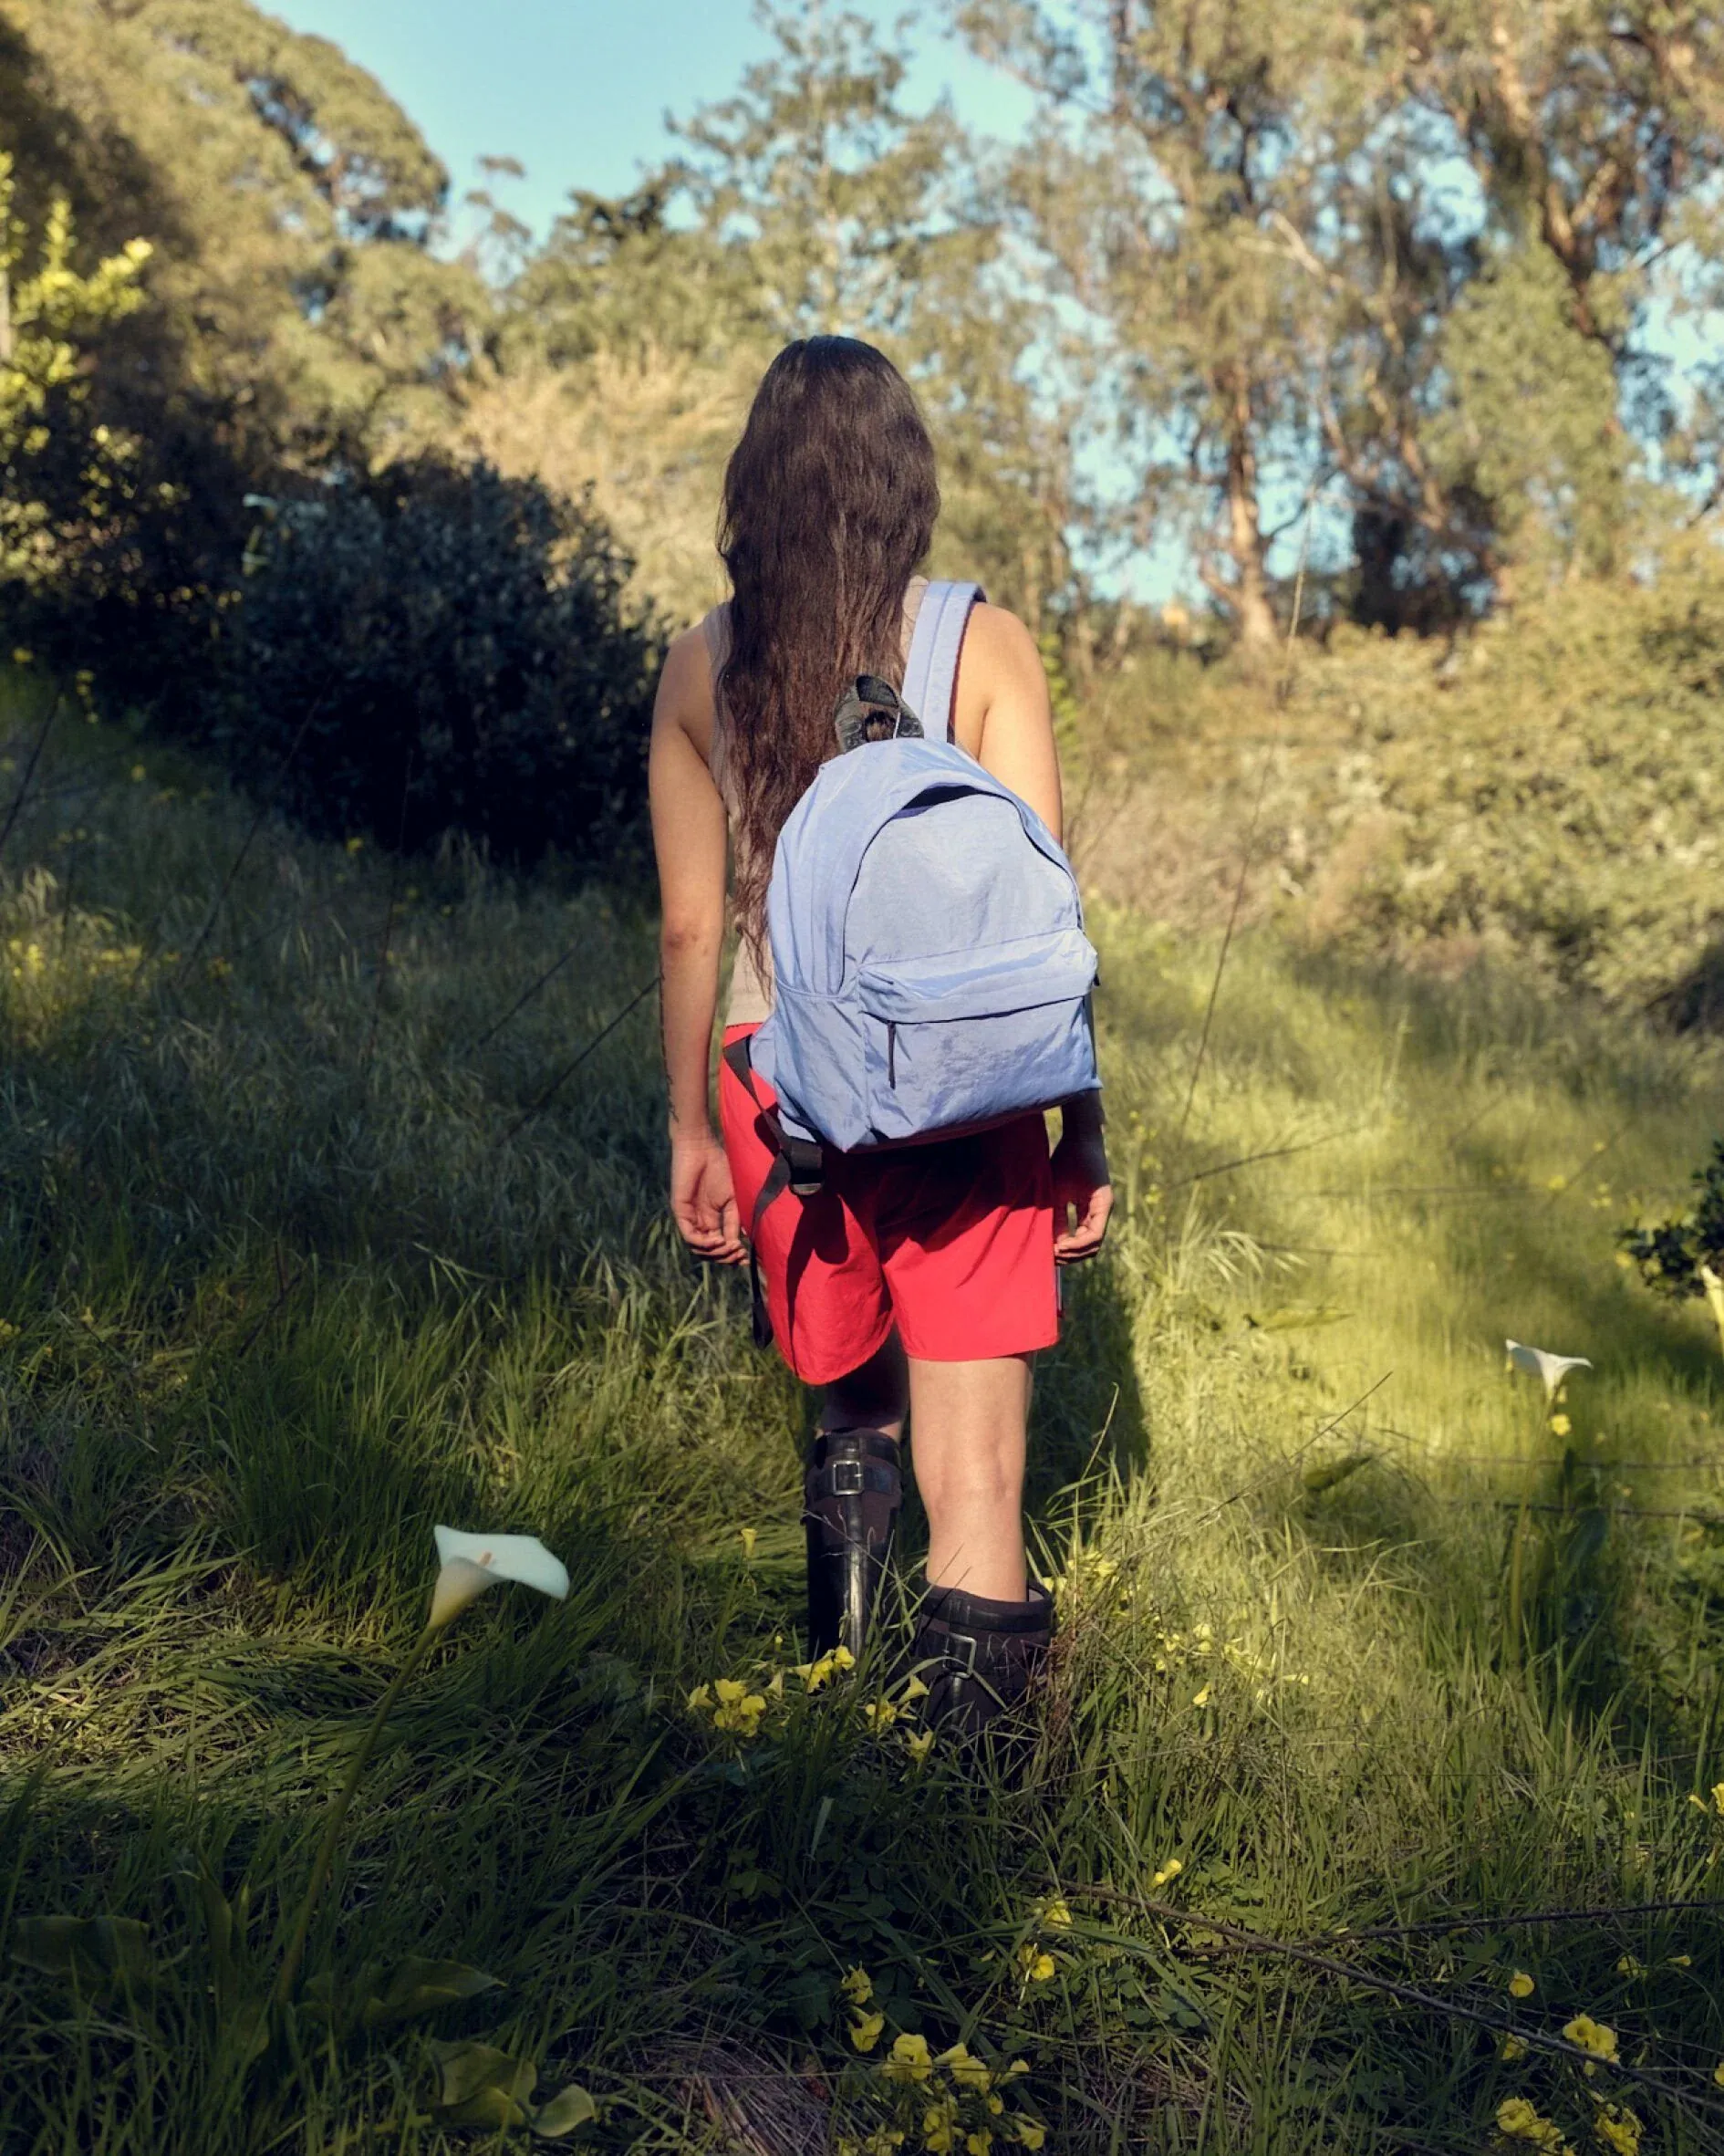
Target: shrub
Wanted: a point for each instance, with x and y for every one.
(1673, 1257)
(439, 649)
(1543, 791)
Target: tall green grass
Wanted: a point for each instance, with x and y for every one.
(298, 1258)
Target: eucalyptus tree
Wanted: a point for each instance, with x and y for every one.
(1593, 134)
(819, 170)
(840, 205)
(1183, 158)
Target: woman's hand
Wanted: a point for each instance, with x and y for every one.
(1083, 1189)
(704, 1198)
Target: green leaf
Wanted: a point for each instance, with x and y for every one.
(1323, 1474)
(489, 2106)
(419, 1986)
(88, 1949)
(480, 2074)
(563, 2114)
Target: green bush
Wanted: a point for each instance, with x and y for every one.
(442, 649)
(1549, 789)
(1543, 791)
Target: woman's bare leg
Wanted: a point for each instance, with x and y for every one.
(970, 1420)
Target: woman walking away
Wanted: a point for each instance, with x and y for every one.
(884, 1162)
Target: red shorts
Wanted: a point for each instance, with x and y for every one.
(952, 1242)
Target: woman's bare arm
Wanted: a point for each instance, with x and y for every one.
(689, 839)
(1005, 718)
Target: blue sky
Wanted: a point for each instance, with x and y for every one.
(577, 89)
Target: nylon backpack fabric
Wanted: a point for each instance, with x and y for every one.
(931, 971)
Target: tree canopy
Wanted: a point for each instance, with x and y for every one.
(1429, 283)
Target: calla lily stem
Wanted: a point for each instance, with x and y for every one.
(326, 1845)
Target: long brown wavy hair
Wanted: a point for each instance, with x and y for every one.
(830, 500)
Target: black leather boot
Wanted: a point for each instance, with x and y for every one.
(978, 1658)
(851, 1495)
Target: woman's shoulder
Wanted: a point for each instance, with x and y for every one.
(998, 638)
(685, 687)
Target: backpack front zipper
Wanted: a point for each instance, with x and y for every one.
(891, 1053)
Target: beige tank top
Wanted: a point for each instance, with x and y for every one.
(751, 997)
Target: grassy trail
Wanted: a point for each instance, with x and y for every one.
(299, 1259)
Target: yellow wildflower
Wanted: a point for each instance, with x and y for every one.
(918, 1743)
(857, 1986)
(1520, 1985)
(1717, 2073)
(1202, 1699)
(1168, 1872)
(1513, 2048)
(1030, 2132)
(1626, 1965)
(750, 1536)
(1618, 2127)
(1592, 2036)
(913, 1689)
(1517, 2121)
(881, 1715)
(865, 2030)
(738, 1708)
(966, 2069)
(939, 2123)
(1682, 1960)
(814, 1675)
(700, 1699)
(996, 2104)
(1036, 1965)
(979, 2144)
(1055, 1911)
(1561, 1426)
(909, 2060)
(1718, 1799)
(1016, 2070)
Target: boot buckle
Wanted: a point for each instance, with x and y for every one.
(970, 1644)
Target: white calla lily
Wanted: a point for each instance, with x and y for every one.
(1538, 1362)
(1714, 1285)
(471, 1563)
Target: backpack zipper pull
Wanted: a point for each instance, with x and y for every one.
(891, 1053)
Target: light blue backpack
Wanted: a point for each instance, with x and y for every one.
(932, 974)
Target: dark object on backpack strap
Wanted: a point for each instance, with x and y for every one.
(850, 1499)
(978, 1657)
(799, 1164)
(872, 710)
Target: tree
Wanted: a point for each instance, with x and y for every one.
(815, 198)
(1178, 149)
(58, 473)
(848, 211)
(1594, 132)
(815, 168)
(294, 303)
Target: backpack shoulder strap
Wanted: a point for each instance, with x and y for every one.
(931, 674)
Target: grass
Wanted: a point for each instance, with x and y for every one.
(295, 1265)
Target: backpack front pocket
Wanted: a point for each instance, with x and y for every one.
(968, 1038)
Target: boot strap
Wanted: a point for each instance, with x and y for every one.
(852, 1478)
